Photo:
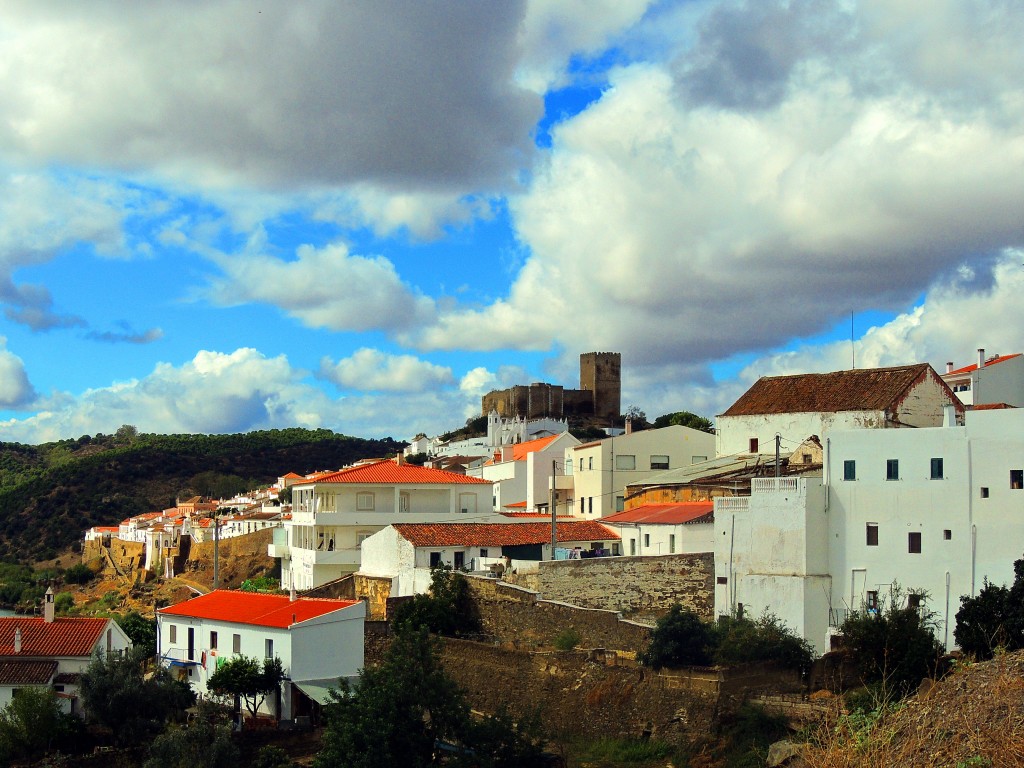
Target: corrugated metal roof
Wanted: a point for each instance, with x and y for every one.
(500, 534)
(254, 608)
(868, 389)
(665, 514)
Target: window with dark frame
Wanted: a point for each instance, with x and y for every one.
(872, 534)
(936, 469)
(849, 470)
(892, 469)
(871, 601)
(984, 492)
(753, 445)
(659, 461)
(1017, 479)
(213, 641)
(236, 643)
(947, 534)
(914, 601)
(914, 542)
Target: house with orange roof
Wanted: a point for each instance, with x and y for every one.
(51, 652)
(991, 379)
(317, 640)
(333, 513)
(665, 529)
(405, 552)
(522, 472)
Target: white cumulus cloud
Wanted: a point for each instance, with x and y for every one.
(371, 369)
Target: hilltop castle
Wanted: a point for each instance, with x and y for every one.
(599, 395)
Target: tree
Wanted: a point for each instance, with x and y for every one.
(201, 745)
(33, 722)
(679, 639)
(893, 647)
(402, 709)
(140, 630)
(636, 416)
(245, 678)
(117, 694)
(448, 609)
(685, 419)
(766, 638)
(79, 573)
(993, 619)
(284, 496)
(126, 434)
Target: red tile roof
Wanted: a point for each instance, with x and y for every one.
(666, 514)
(254, 608)
(26, 672)
(515, 505)
(974, 367)
(521, 450)
(868, 389)
(992, 407)
(292, 475)
(391, 473)
(62, 637)
(499, 534)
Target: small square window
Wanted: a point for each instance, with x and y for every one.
(483, 553)
(659, 461)
(914, 542)
(849, 470)
(753, 445)
(947, 534)
(625, 461)
(722, 580)
(871, 601)
(984, 492)
(364, 501)
(914, 601)
(1017, 479)
(936, 469)
(892, 469)
(435, 559)
(872, 534)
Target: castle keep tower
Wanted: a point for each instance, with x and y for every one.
(601, 374)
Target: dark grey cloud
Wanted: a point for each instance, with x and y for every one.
(417, 96)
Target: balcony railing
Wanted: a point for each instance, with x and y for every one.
(775, 484)
(732, 502)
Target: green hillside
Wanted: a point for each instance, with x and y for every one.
(50, 493)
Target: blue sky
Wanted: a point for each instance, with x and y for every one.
(219, 217)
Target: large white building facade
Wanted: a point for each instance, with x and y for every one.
(936, 511)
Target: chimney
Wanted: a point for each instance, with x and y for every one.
(399, 458)
(949, 367)
(629, 426)
(48, 606)
(17, 639)
(506, 453)
(291, 587)
(981, 357)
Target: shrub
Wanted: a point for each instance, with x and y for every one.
(567, 639)
(64, 602)
(78, 574)
(993, 619)
(680, 639)
(448, 609)
(766, 638)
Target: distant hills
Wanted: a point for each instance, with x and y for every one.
(51, 493)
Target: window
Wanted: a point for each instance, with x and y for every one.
(1017, 479)
(483, 553)
(364, 502)
(581, 505)
(213, 641)
(892, 469)
(659, 461)
(914, 601)
(590, 505)
(615, 548)
(721, 579)
(632, 546)
(236, 643)
(590, 462)
(849, 470)
(806, 458)
(671, 543)
(268, 648)
(403, 501)
(435, 559)
(173, 633)
(361, 537)
(936, 469)
(581, 463)
(698, 459)
(620, 503)
(984, 492)
(467, 503)
(568, 467)
(460, 560)
(872, 534)
(647, 540)
(947, 535)
(914, 542)
(625, 461)
(871, 601)
(753, 445)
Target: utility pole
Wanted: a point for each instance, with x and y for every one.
(551, 506)
(778, 440)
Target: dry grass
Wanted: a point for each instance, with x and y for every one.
(975, 717)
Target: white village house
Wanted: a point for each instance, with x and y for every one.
(51, 652)
(936, 510)
(334, 513)
(665, 529)
(405, 552)
(522, 472)
(991, 380)
(317, 640)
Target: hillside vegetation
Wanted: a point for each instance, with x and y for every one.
(50, 493)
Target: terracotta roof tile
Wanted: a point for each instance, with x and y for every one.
(521, 450)
(26, 672)
(992, 407)
(499, 534)
(63, 636)
(254, 608)
(868, 389)
(391, 473)
(974, 367)
(666, 514)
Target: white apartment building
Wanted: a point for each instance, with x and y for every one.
(994, 379)
(600, 471)
(665, 529)
(935, 510)
(333, 513)
(522, 472)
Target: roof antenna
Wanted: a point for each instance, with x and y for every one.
(853, 346)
